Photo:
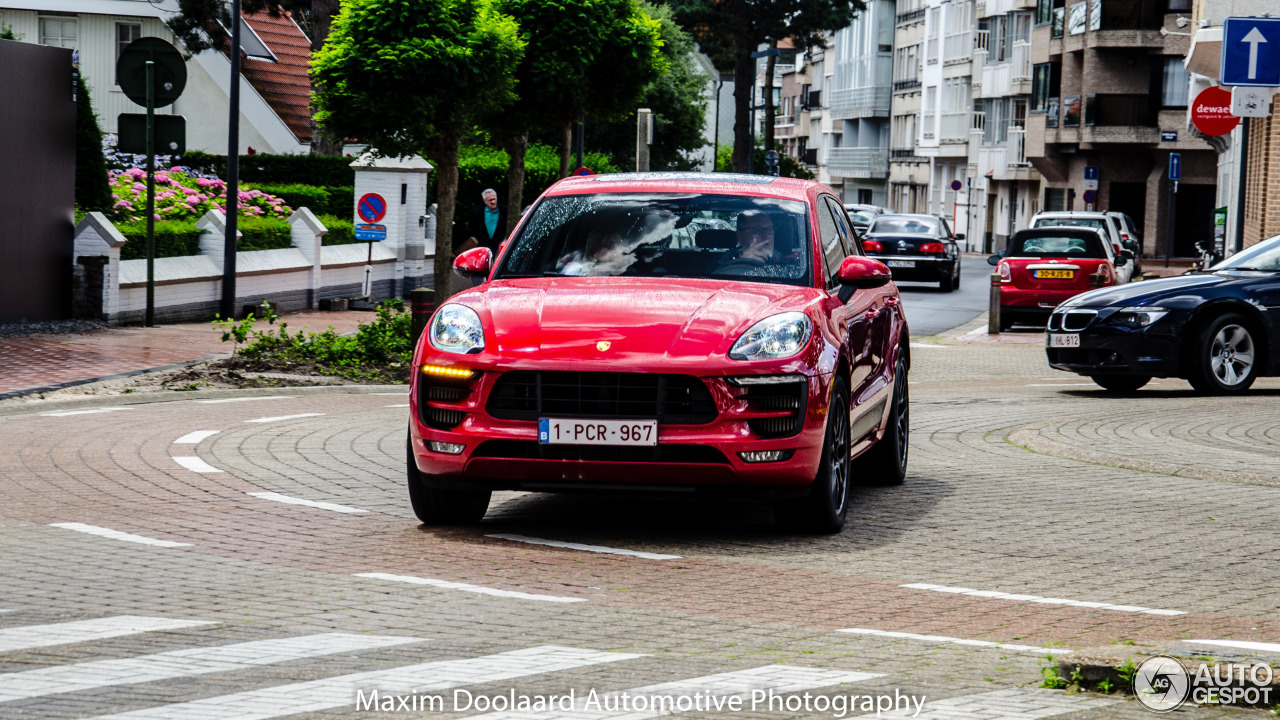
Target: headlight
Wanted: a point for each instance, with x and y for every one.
(773, 338)
(457, 329)
(1139, 317)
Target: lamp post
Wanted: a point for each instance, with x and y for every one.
(769, 52)
(233, 171)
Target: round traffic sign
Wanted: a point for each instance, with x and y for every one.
(372, 207)
(1211, 112)
(170, 71)
(956, 184)
(1091, 196)
(583, 171)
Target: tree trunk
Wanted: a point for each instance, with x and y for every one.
(516, 148)
(769, 119)
(744, 77)
(444, 152)
(566, 148)
(322, 12)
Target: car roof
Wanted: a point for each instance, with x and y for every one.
(687, 182)
(1073, 213)
(1058, 231)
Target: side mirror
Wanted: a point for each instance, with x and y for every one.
(993, 260)
(475, 261)
(959, 236)
(1127, 254)
(863, 273)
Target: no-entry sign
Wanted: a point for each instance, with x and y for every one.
(1211, 112)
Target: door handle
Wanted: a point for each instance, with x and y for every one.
(871, 314)
(891, 301)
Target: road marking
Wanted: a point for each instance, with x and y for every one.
(1030, 704)
(36, 636)
(117, 535)
(195, 464)
(1241, 644)
(277, 497)
(67, 413)
(928, 345)
(193, 438)
(778, 679)
(945, 639)
(586, 548)
(1088, 384)
(244, 399)
(341, 690)
(184, 663)
(399, 405)
(466, 587)
(283, 417)
(1043, 600)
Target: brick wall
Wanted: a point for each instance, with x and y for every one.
(1262, 181)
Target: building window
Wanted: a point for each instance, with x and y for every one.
(58, 32)
(125, 34)
(1046, 79)
(1175, 84)
(1045, 10)
(1055, 199)
(933, 30)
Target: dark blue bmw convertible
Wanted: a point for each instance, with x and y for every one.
(1219, 329)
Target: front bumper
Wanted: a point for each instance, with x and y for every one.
(504, 454)
(1112, 349)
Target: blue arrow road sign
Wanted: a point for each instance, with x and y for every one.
(1250, 52)
(1175, 166)
(1090, 172)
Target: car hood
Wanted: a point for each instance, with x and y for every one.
(641, 319)
(1184, 290)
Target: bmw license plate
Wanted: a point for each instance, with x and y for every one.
(1064, 340)
(902, 263)
(552, 431)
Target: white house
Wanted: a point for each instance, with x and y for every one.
(274, 85)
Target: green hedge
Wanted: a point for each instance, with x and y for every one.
(341, 231)
(319, 200)
(173, 239)
(324, 170)
(262, 233)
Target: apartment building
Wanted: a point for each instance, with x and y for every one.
(908, 171)
(1004, 189)
(1110, 91)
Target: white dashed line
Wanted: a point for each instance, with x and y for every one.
(277, 497)
(956, 641)
(184, 663)
(586, 548)
(399, 405)
(36, 636)
(195, 464)
(1240, 644)
(284, 417)
(333, 692)
(117, 535)
(68, 413)
(929, 346)
(466, 587)
(1042, 600)
(777, 679)
(1089, 384)
(245, 399)
(193, 438)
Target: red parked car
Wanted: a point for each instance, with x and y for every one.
(1043, 267)
(665, 332)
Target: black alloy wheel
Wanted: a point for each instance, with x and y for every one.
(439, 506)
(823, 510)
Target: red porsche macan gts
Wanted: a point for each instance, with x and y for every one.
(665, 331)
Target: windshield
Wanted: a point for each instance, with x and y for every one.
(861, 218)
(1055, 246)
(661, 235)
(1263, 256)
(906, 226)
(1096, 223)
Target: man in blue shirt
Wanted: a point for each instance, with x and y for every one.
(489, 223)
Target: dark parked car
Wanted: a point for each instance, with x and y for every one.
(916, 247)
(1220, 330)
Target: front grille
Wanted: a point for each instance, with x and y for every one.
(672, 399)
(1077, 320)
(436, 390)
(532, 450)
(772, 398)
(1055, 322)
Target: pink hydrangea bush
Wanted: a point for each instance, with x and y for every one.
(181, 195)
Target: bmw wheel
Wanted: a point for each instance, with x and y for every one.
(1225, 360)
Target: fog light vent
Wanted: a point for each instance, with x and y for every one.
(764, 456)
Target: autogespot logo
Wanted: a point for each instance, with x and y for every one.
(1161, 683)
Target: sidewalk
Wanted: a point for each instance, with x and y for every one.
(39, 363)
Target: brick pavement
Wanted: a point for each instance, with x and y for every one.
(40, 361)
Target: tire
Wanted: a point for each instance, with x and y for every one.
(1225, 356)
(1121, 383)
(886, 462)
(947, 285)
(437, 506)
(823, 510)
(957, 282)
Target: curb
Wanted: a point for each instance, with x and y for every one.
(103, 378)
(8, 409)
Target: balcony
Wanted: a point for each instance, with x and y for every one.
(1121, 111)
(1131, 15)
(1018, 147)
(784, 120)
(1021, 62)
(910, 16)
(906, 85)
(858, 162)
(957, 47)
(861, 102)
(955, 127)
(907, 154)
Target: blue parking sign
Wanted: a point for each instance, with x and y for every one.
(1250, 52)
(1175, 166)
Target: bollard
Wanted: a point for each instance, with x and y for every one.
(423, 302)
(993, 308)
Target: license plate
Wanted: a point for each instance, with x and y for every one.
(902, 263)
(552, 431)
(1071, 340)
(1055, 274)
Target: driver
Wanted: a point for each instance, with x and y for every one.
(755, 242)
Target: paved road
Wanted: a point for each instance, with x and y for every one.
(931, 311)
(176, 559)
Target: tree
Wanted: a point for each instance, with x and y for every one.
(730, 30)
(678, 101)
(414, 76)
(92, 190)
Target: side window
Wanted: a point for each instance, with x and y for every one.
(848, 234)
(832, 248)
